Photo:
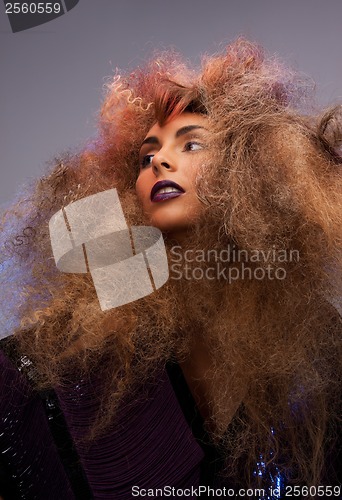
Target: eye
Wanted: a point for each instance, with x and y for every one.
(193, 146)
(146, 161)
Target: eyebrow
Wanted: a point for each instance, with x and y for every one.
(182, 131)
(185, 130)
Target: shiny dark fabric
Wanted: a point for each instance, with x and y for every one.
(28, 453)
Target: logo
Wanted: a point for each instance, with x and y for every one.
(24, 15)
(91, 235)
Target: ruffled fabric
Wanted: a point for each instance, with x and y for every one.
(150, 446)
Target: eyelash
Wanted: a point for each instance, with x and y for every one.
(146, 160)
(193, 142)
(144, 163)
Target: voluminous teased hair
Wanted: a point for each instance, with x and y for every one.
(271, 186)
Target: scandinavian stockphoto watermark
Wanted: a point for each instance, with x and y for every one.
(126, 263)
(230, 263)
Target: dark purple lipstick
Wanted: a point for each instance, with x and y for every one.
(165, 190)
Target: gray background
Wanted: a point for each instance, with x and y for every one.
(52, 76)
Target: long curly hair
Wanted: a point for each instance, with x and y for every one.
(272, 186)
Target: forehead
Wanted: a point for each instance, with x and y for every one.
(180, 121)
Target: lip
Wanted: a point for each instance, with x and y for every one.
(165, 196)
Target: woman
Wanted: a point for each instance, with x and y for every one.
(228, 375)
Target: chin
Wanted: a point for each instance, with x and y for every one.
(167, 219)
(166, 226)
(172, 220)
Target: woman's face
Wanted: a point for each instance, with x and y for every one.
(170, 158)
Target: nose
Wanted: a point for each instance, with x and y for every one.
(162, 161)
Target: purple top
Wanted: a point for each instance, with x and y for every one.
(157, 441)
(150, 446)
